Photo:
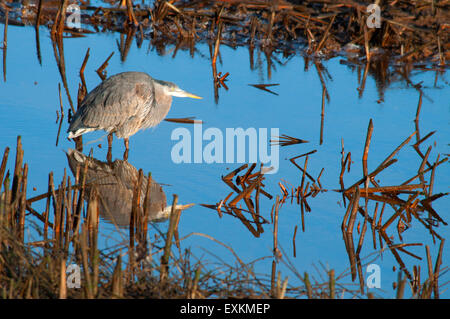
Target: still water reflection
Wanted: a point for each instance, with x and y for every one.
(115, 183)
(328, 103)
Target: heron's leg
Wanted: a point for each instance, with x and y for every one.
(109, 155)
(125, 155)
(79, 143)
(110, 140)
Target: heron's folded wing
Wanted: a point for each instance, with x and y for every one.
(113, 102)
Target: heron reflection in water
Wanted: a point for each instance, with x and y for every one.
(114, 182)
(124, 104)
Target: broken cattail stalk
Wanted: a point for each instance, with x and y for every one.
(101, 70)
(293, 241)
(186, 120)
(366, 148)
(83, 66)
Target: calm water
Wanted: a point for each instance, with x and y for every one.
(29, 101)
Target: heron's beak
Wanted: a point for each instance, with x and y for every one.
(187, 94)
(182, 93)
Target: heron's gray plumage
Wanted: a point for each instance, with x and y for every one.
(115, 183)
(124, 104)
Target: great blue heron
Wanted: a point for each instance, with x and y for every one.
(114, 183)
(124, 104)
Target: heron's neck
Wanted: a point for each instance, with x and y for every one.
(161, 97)
(163, 103)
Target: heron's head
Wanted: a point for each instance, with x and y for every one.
(173, 90)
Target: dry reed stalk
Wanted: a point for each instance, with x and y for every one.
(93, 209)
(69, 211)
(437, 266)
(325, 35)
(373, 225)
(301, 169)
(62, 280)
(389, 189)
(80, 202)
(307, 285)
(217, 45)
(303, 175)
(56, 208)
(285, 140)
(422, 165)
(350, 248)
(15, 188)
(146, 207)
(276, 252)
(406, 141)
(366, 148)
(22, 205)
(5, 42)
(322, 115)
(331, 284)
(366, 44)
(194, 292)
(400, 286)
(425, 171)
(293, 241)
(185, 120)
(419, 106)
(117, 280)
(374, 173)
(62, 17)
(167, 247)
(84, 246)
(3, 165)
(399, 211)
(272, 278)
(423, 139)
(38, 15)
(47, 207)
(246, 192)
(130, 13)
(354, 210)
(363, 232)
(347, 212)
(318, 177)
